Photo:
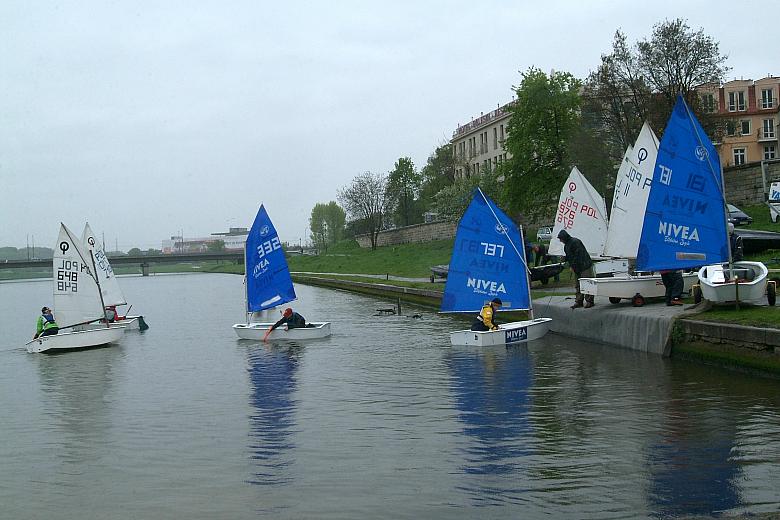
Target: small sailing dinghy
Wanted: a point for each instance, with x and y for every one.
(685, 223)
(109, 285)
(488, 262)
(77, 300)
(268, 285)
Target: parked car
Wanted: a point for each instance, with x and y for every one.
(737, 216)
(544, 234)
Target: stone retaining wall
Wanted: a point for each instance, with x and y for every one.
(745, 184)
(752, 338)
(413, 233)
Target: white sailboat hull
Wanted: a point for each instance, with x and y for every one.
(507, 334)
(714, 285)
(256, 331)
(76, 340)
(129, 323)
(627, 286)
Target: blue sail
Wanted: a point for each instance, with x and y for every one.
(486, 261)
(268, 281)
(685, 223)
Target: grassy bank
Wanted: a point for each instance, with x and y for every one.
(410, 260)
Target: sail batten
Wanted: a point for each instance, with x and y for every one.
(684, 223)
(486, 262)
(268, 280)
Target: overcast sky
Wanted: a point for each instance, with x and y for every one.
(147, 118)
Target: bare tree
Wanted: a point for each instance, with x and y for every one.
(365, 200)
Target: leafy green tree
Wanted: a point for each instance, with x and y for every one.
(437, 174)
(365, 199)
(326, 224)
(544, 118)
(134, 252)
(451, 201)
(640, 83)
(152, 251)
(216, 246)
(403, 189)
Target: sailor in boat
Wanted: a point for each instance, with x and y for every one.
(736, 244)
(293, 320)
(111, 313)
(46, 325)
(673, 281)
(581, 265)
(485, 321)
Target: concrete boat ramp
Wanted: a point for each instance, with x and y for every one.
(645, 328)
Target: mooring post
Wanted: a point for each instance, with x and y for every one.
(399, 306)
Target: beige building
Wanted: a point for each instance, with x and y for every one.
(479, 145)
(749, 110)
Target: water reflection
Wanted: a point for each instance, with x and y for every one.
(78, 390)
(272, 373)
(491, 389)
(692, 465)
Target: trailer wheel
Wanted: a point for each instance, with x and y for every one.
(638, 300)
(771, 293)
(697, 297)
(614, 299)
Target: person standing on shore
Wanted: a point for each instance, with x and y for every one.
(579, 260)
(674, 284)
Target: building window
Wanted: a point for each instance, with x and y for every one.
(708, 103)
(731, 128)
(744, 127)
(502, 133)
(495, 138)
(769, 152)
(768, 129)
(739, 156)
(737, 101)
(766, 98)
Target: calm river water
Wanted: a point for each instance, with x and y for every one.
(382, 420)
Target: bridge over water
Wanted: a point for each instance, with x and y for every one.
(143, 261)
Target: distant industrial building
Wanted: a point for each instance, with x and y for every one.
(479, 145)
(234, 240)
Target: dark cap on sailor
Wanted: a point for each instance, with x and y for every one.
(497, 301)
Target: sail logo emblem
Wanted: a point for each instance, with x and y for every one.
(481, 286)
(701, 153)
(500, 229)
(516, 335)
(678, 234)
(264, 231)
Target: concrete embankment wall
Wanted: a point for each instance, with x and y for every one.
(745, 184)
(414, 233)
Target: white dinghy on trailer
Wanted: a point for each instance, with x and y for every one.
(486, 263)
(268, 285)
(77, 300)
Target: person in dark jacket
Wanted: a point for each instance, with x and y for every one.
(674, 284)
(581, 265)
(736, 244)
(293, 320)
(541, 255)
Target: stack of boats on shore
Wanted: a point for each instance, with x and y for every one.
(668, 213)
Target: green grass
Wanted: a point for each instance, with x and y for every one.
(761, 219)
(411, 260)
(749, 315)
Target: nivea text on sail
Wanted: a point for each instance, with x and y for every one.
(485, 286)
(677, 232)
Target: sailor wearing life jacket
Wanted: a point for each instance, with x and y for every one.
(46, 325)
(485, 321)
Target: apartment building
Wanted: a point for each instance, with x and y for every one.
(479, 145)
(749, 112)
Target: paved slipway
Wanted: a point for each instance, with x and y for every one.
(645, 328)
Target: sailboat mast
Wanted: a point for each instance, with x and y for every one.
(528, 284)
(246, 288)
(95, 277)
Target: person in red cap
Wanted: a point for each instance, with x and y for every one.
(293, 320)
